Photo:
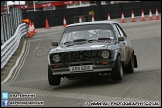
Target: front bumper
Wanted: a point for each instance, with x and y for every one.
(97, 68)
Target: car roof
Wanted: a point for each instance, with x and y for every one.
(95, 22)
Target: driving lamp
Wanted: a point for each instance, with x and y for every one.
(56, 58)
(105, 54)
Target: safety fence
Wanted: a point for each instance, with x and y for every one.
(9, 24)
(85, 18)
(55, 17)
(12, 29)
(11, 45)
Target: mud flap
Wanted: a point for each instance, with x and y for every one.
(135, 62)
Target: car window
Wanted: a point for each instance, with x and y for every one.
(121, 31)
(88, 27)
(88, 32)
(116, 30)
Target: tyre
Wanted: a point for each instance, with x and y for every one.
(130, 67)
(117, 71)
(53, 79)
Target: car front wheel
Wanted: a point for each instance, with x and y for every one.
(53, 79)
(117, 71)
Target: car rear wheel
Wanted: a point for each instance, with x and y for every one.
(130, 66)
(53, 79)
(117, 71)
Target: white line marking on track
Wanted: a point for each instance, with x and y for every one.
(21, 64)
(11, 71)
(36, 40)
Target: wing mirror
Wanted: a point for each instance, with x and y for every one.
(54, 43)
(121, 39)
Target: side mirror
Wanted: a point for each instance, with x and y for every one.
(54, 43)
(121, 39)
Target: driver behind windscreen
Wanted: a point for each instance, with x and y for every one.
(78, 35)
(107, 34)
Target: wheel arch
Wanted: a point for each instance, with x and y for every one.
(116, 54)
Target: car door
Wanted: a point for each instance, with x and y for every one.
(123, 44)
(129, 46)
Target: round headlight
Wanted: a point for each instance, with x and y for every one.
(56, 58)
(105, 54)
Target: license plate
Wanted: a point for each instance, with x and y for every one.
(81, 68)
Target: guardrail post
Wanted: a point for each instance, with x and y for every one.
(14, 19)
(20, 16)
(2, 31)
(7, 24)
(11, 25)
(4, 28)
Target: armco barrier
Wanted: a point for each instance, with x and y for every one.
(11, 45)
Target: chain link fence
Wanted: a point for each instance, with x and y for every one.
(9, 24)
(84, 18)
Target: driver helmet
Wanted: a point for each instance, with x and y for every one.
(77, 35)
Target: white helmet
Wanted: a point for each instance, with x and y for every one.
(77, 35)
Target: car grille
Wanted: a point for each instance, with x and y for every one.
(76, 56)
(79, 56)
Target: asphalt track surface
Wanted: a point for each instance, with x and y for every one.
(27, 72)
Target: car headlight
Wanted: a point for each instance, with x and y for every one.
(105, 54)
(56, 58)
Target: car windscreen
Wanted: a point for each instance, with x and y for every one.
(87, 32)
(88, 27)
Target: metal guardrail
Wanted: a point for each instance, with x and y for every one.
(11, 45)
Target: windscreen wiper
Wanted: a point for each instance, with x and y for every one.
(71, 43)
(68, 42)
(79, 40)
(104, 38)
(92, 40)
